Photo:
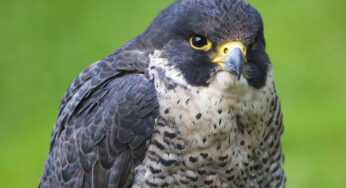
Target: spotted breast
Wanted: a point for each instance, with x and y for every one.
(223, 135)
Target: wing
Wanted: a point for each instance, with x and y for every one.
(104, 120)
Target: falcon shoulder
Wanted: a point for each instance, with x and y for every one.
(104, 120)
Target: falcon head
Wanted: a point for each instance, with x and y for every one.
(206, 39)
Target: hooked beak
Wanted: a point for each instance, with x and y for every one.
(231, 57)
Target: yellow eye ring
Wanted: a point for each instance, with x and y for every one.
(199, 42)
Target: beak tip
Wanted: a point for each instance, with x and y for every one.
(235, 62)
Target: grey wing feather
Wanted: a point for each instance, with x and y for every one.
(104, 120)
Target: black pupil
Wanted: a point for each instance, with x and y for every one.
(199, 41)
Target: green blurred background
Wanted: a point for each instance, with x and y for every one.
(45, 44)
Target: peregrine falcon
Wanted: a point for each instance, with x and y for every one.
(188, 103)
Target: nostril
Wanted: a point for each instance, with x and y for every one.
(225, 50)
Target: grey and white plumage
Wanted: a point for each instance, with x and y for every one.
(159, 113)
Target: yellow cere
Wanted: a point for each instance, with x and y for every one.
(225, 49)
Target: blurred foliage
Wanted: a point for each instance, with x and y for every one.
(45, 44)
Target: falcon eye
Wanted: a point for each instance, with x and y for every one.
(199, 42)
